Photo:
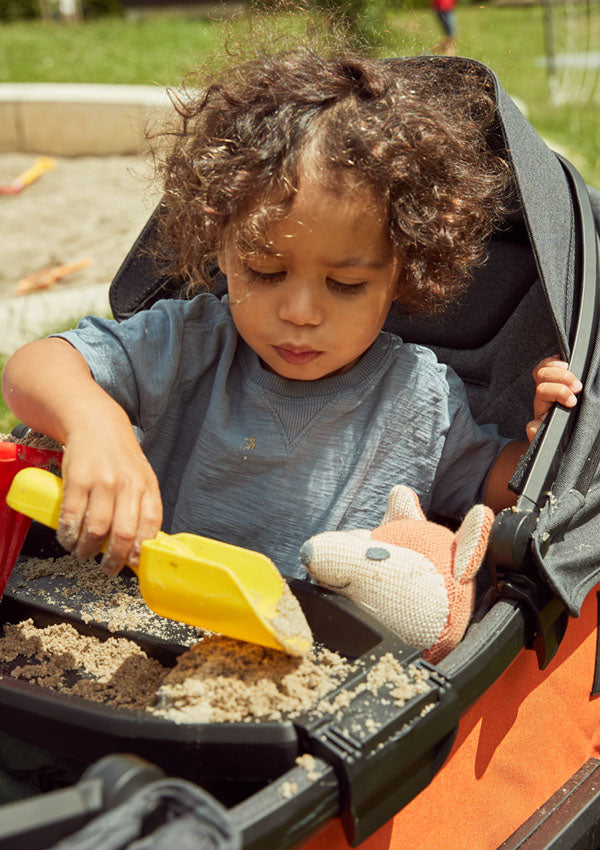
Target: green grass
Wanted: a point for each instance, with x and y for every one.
(159, 50)
(155, 50)
(109, 50)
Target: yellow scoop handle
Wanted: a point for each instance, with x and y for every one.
(193, 579)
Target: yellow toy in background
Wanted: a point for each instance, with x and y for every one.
(40, 166)
(47, 277)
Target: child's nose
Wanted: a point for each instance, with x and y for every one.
(300, 304)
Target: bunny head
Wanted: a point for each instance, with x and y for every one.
(416, 576)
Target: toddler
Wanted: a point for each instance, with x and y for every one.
(328, 191)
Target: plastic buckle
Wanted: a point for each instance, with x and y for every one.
(515, 577)
(384, 754)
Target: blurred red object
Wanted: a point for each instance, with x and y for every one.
(14, 526)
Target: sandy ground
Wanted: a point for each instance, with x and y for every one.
(86, 208)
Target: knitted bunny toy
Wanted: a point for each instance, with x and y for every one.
(416, 576)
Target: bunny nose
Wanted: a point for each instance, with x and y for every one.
(306, 553)
(377, 553)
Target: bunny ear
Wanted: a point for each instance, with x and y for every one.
(471, 542)
(403, 503)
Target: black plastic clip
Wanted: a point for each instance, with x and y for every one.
(384, 753)
(516, 577)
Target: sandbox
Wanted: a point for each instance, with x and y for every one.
(86, 208)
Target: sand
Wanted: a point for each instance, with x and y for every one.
(81, 588)
(86, 208)
(217, 680)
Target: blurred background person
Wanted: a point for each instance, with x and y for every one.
(446, 14)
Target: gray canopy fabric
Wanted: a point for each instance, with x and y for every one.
(521, 307)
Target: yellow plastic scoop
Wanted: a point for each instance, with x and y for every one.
(196, 580)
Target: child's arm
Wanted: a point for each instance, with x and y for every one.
(109, 486)
(554, 383)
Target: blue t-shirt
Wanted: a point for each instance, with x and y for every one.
(246, 456)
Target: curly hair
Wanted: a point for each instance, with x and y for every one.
(415, 132)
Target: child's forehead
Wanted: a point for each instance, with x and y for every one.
(332, 223)
(318, 196)
(341, 199)
(320, 185)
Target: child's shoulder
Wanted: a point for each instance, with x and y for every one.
(185, 315)
(203, 322)
(413, 355)
(199, 306)
(422, 365)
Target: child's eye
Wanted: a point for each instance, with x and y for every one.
(269, 277)
(346, 288)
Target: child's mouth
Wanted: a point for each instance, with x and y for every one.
(297, 356)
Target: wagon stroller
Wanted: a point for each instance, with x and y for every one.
(537, 295)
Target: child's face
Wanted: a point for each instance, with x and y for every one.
(316, 298)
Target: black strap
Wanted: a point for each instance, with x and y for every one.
(541, 464)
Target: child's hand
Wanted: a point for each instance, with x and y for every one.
(110, 490)
(554, 383)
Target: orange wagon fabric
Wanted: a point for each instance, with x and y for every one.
(515, 747)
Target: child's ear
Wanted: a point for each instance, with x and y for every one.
(222, 261)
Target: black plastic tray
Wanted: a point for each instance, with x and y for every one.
(242, 751)
(374, 754)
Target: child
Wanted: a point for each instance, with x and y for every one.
(329, 191)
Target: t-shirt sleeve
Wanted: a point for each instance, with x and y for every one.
(467, 456)
(139, 360)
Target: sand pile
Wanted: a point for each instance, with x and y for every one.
(216, 680)
(115, 672)
(33, 438)
(221, 680)
(81, 588)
